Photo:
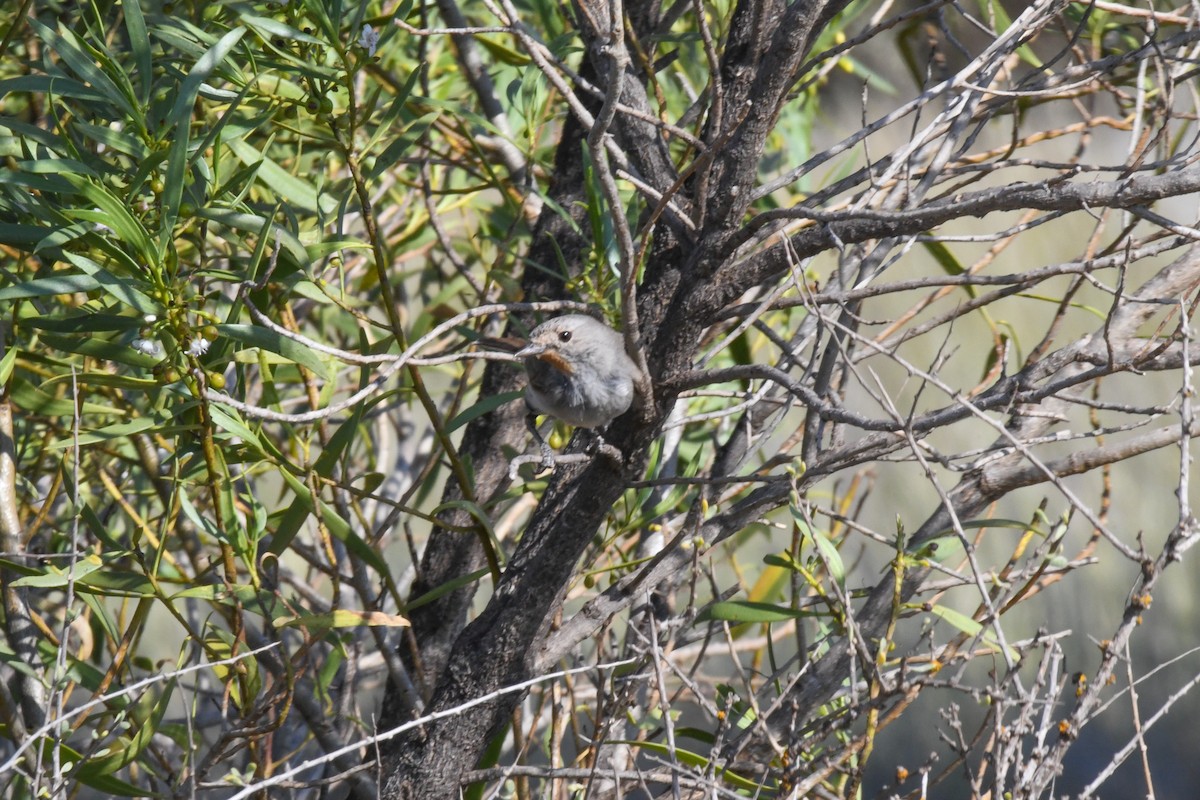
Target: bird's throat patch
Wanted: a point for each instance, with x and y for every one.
(558, 362)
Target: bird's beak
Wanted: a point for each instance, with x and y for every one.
(530, 350)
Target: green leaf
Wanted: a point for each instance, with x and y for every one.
(121, 430)
(828, 551)
(944, 544)
(447, 587)
(971, 628)
(268, 28)
(71, 50)
(337, 526)
(123, 756)
(6, 364)
(937, 550)
(343, 618)
(269, 340)
(110, 786)
(485, 406)
(24, 130)
(56, 85)
(22, 237)
(503, 53)
(57, 166)
(106, 379)
(948, 262)
(49, 287)
(220, 645)
(945, 259)
(403, 143)
(699, 734)
(117, 584)
(696, 760)
(749, 611)
(87, 514)
(115, 787)
(783, 560)
(243, 594)
(30, 398)
(399, 103)
(285, 186)
(139, 43)
(182, 114)
(101, 348)
(85, 322)
(830, 555)
(253, 223)
(342, 438)
(102, 615)
(58, 577)
(113, 212)
(322, 249)
(120, 289)
(227, 420)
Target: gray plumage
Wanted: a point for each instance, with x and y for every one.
(578, 371)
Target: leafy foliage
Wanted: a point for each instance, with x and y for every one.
(259, 508)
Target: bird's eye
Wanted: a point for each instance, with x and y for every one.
(564, 336)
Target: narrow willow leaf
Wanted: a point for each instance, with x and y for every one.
(399, 104)
(113, 213)
(181, 113)
(337, 526)
(121, 430)
(970, 627)
(143, 734)
(23, 237)
(286, 186)
(52, 85)
(58, 577)
(343, 618)
(447, 587)
(293, 351)
(121, 289)
(32, 133)
(253, 223)
(32, 399)
(695, 760)
(88, 345)
(219, 646)
(6, 364)
(81, 323)
(831, 556)
(402, 144)
(485, 406)
(83, 64)
(110, 786)
(57, 166)
(268, 28)
(229, 421)
(139, 43)
(750, 611)
(49, 287)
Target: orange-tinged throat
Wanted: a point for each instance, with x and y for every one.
(555, 360)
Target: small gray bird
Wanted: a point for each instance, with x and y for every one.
(578, 371)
